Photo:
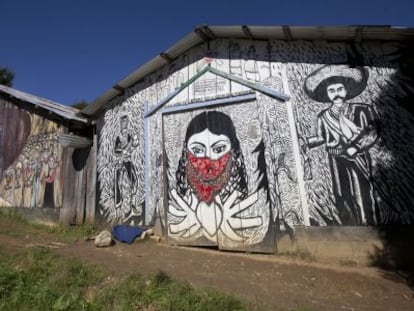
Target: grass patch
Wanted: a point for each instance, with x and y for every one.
(35, 279)
(160, 292)
(62, 232)
(74, 233)
(11, 215)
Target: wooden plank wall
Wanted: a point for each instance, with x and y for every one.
(91, 184)
(79, 186)
(80, 190)
(68, 212)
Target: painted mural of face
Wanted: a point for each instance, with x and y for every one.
(211, 179)
(207, 144)
(124, 122)
(209, 164)
(211, 158)
(336, 93)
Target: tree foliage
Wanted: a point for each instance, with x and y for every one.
(6, 76)
(82, 104)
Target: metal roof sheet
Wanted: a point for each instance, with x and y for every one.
(74, 141)
(203, 33)
(63, 111)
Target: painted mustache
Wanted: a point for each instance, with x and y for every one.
(337, 97)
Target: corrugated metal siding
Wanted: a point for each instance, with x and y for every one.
(74, 141)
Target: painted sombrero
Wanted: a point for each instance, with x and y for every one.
(353, 78)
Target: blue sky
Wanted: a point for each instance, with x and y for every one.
(75, 50)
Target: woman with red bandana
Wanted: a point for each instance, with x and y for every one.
(211, 193)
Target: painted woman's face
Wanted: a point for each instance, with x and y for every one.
(208, 145)
(210, 160)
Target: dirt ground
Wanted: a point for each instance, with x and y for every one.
(281, 282)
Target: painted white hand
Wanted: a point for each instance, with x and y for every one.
(178, 207)
(232, 219)
(210, 217)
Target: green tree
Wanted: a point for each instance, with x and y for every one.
(6, 76)
(82, 104)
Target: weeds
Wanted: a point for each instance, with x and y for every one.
(74, 233)
(161, 292)
(62, 232)
(35, 279)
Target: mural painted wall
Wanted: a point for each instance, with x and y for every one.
(347, 130)
(355, 137)
(30, 159)
(338, 152)
(120, 164)
(217, 194)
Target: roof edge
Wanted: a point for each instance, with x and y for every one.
(204, 33)
(65, 112)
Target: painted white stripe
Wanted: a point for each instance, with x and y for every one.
(296, 152)
(147, 160)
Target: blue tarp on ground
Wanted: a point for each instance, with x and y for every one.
(127, 233)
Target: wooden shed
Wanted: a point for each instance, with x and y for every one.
(47, 159)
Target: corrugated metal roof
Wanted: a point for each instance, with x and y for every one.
(63, 111)
(74, 141)
(200, 34)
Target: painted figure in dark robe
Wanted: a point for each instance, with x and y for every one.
(125, 172)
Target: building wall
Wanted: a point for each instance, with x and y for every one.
(30, 159)
(293, 163)
(120, 161)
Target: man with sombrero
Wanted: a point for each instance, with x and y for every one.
(347, 130)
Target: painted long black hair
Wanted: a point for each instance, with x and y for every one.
(220, 124)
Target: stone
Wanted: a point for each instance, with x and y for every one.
(155, 238)
(104, 239)
(150, 232)
(147, 233)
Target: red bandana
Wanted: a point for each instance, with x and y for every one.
(208, 177)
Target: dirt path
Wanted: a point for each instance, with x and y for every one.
(280, 282)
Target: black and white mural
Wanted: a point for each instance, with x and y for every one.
(347, 131)
(120, 164)
(216, 169)
(338, 152)
(282, 177)
(354, 139)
